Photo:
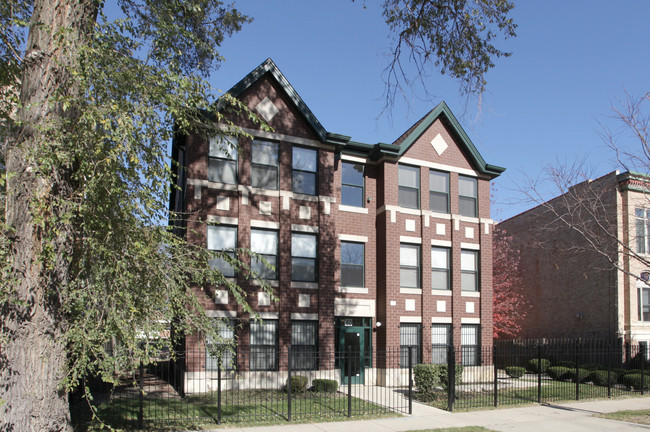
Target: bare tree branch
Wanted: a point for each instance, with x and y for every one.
(453, 36)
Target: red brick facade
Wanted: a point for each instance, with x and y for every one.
(573, 289)
(381, 225)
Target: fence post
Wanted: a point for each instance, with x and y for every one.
(577, 370)
(609, 371)
(539, 373)
(141, 398)
(349, 360)
(219, 391)
(411, 379)
(289, 382)
(496, 372)
(642, 350)
(451, 377)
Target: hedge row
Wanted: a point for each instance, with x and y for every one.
(298, 384)
(588, 372)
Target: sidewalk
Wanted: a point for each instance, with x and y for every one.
(575, 416)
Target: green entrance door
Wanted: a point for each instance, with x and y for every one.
(352, 338)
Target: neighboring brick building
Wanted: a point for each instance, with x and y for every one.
(376, 245)
(569, 279)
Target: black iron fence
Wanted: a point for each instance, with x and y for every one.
(520, 372)
(197, 387)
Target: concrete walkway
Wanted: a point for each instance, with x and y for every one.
(576, 416)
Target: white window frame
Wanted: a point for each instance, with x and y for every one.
(345, 263)
(446, 269)
(222, 152)
(466, 271)
(403, 188)
(213, 245)
(298, 255)
(406, 265)
(262, 249)
(443, 193)
(297, 171)
(440, 342)
(644, 307)
(304, 349)
(226, 350)
(264, 165)
(642, 218)
(349, 186)
(264, 356)
(409, 333)
(470, 340)
(473, 198)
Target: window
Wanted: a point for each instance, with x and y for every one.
(223, 239)
(469, 270)
(409, 187)
(264, 167)
(439, 191)
(440, 341)
(304, 345)
(643, 348)
(644, 301)
(467, 194)
(222, 161)
(642, 230)
(469, 340)
(440, 268)
(303, 257)
(305, 165)
(221, 349)
(352, 184)
(352, 262)
(410, 335)
(265, 243)
(264, 345)
(409, 266)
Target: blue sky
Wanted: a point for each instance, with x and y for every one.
(571, 61)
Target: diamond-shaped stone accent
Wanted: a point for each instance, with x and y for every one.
(305, 212)
(265, 207)
(439, 144)
(221, 297)
(263, 299)
(266, 109)
(304, 300)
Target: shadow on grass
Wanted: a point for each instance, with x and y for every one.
(241, 408)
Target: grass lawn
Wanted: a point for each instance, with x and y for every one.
(524, 391)
(243, 408)
(639, 416)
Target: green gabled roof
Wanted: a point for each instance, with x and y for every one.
(268, 66)
(374, 151)
(403, 143)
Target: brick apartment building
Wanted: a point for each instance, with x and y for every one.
(376, 246)
(572, 286)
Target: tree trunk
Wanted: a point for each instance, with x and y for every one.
(33, 351)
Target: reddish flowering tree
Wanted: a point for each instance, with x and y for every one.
(510, 305)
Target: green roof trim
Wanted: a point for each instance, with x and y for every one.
(443, 110)
(374, 151)
(268, 66)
